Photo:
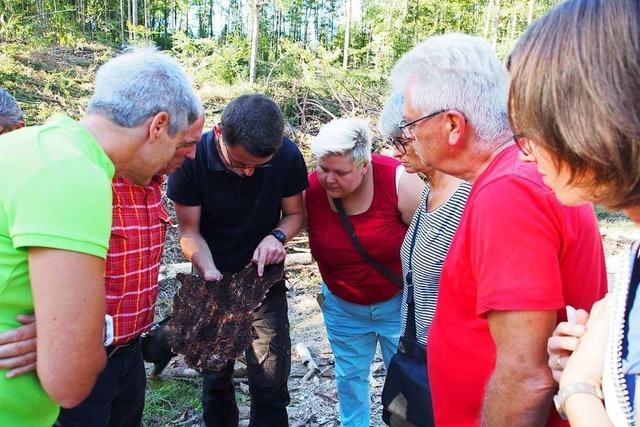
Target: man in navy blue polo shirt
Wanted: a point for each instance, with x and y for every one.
(239, 201)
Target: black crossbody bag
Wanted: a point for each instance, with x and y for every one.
(393, 277)
(406, 397)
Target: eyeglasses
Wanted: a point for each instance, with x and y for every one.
(239, 165)
(523, 143)
(408, 128)
(400, 143)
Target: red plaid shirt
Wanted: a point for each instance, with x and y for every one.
(133, 262)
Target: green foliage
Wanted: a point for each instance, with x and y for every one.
(290, 30)
(166, 400)
(48, 80)
(212, 61)
(608, 216)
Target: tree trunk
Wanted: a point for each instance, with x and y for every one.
(331, 23)
(416, 21)
(513, 25)
(305, 36)
(277, 37)
(122, 22)
(129, 28)
(225, 22)
(496, 24)
(81, 10)
(186, 15)
(487, 19)
(347, 36)
(146, 16)
(255, 39)
(175, 15)
(316, 23)
(134, 16)
(532, 5)
(211, 18)
(166, 24)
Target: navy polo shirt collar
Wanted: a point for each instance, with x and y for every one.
(214, 162)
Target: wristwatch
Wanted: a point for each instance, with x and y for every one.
(279, 235)
(574, 388)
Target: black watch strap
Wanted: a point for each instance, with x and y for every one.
(278, 234)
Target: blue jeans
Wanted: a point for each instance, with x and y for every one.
(353, 331)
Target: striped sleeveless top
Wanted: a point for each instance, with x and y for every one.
(435, 232)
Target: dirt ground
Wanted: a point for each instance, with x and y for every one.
(314, 399)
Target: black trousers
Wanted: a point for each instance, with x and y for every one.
(268, 367)
(117, 399)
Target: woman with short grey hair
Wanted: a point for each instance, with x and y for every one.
(361, 307)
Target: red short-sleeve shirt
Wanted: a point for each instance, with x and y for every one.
(380, 230)
(517, 248)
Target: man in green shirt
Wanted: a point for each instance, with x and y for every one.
(55, 221)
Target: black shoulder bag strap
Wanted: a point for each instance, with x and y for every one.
(394, 278)
(410, 329)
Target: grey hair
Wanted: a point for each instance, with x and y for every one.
(141, 83)
(391, 116)
(459, 72)
(348, 136)
(10, 112)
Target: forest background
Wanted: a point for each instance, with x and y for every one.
(319, 59)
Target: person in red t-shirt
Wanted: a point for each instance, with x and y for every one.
(361, 305)
(519, 256)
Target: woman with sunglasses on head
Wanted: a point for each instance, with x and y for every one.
(575, 102)
(423, 251)
(362, 287)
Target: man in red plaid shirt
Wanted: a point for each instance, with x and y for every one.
(131, 286)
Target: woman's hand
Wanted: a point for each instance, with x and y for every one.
(564, 341)
(587, 362)
(18, 347)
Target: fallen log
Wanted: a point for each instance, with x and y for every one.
(302, 258)
(307, 360)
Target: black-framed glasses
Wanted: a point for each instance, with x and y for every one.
(264, 165)
(407, 127)
(523, 144)
(399, 143)
(230, 161)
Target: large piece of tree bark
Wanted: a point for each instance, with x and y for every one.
(211, 321)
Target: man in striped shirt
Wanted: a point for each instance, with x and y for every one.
(131, 286)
